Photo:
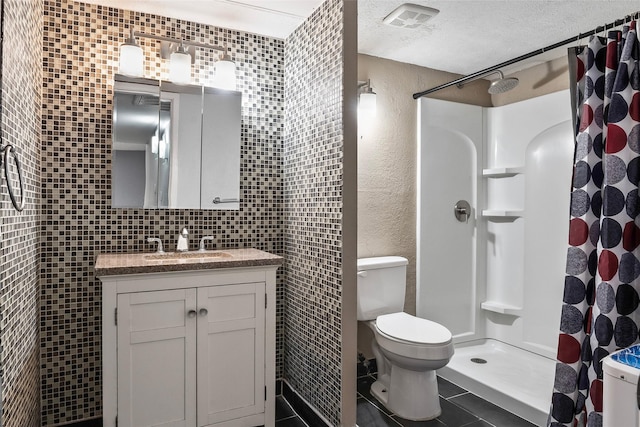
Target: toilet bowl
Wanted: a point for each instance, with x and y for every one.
(408, 349)
(407, 383)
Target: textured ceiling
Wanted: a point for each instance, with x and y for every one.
(465, 37)
(468, 36)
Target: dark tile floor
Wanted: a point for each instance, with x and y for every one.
(459, 409)
(285, 415)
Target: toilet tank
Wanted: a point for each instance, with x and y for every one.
(381, 286)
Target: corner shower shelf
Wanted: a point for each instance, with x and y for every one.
(502, 172)
(503, 213)
(502, 308)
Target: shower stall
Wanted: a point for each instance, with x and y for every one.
(493, 273)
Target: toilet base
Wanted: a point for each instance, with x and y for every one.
(409, 394)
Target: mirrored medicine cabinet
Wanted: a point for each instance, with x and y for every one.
(175, 146)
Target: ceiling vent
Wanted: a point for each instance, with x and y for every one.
(410, 16)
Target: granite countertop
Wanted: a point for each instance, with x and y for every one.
(152, 262)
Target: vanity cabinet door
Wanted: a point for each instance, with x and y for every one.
(231, 328)
(156, 354)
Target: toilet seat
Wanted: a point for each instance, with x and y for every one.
(405, 327)
(421, 347)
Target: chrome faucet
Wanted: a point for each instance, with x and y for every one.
(158, 241)
(183, 240)
(203, 240)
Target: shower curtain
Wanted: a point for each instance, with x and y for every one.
(601, 290)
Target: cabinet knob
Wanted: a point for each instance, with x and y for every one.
(203, 312)
(192, 314)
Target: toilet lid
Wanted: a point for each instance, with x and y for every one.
(406, 327)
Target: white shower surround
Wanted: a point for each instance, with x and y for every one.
(496, 281)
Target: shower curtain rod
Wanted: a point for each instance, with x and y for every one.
(489, 70)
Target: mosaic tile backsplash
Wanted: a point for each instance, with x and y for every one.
(19, 232)
(80, 58)
(313, 209)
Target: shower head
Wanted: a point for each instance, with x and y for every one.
(502, 85)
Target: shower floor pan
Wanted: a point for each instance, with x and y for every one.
(514, 379)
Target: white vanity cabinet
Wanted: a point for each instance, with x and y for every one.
(189, 348)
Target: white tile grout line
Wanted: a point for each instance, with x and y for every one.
(456, 395)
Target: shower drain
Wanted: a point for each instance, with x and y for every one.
(478, 360)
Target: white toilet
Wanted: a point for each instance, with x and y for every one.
(408, 349)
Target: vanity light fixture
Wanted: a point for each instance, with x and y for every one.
(367, 100)
(131, 57)
(163, 148)
(225, 73)
(180, 65)
(181, 54)
(154, 144)
(366, 108)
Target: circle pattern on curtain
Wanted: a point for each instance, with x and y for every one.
(600, 305)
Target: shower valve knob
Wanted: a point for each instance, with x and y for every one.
(462, 211)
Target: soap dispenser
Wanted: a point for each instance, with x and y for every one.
(183, 240)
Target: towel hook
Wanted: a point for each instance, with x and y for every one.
(10, 149)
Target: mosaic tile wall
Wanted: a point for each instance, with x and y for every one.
(19, 232)
(80, 57)
(313, 209)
